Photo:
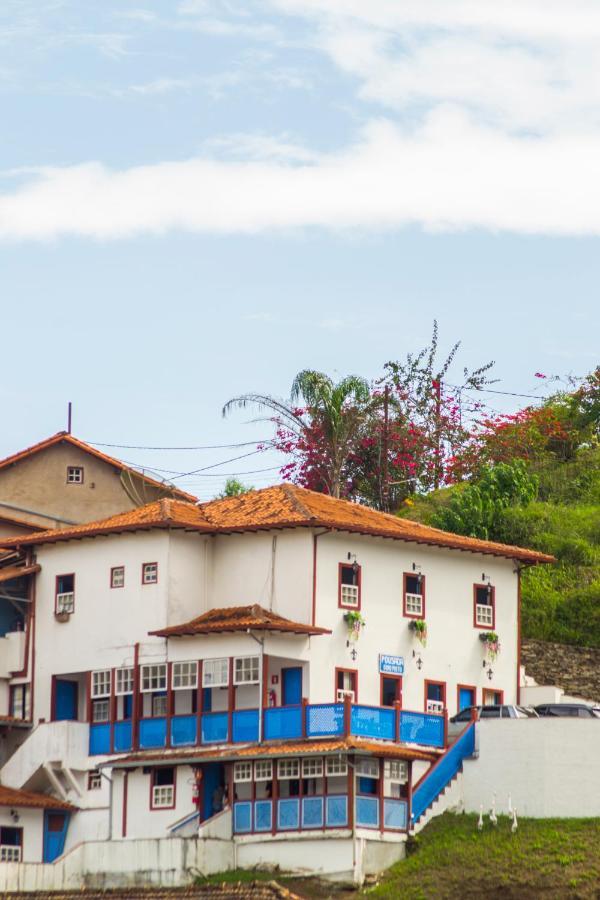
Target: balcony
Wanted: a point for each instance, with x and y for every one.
(318, 720)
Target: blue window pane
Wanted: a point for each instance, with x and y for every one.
(312, 812)
(99, 739)
(153, 733)
(242, 817)
(122, 736)
(283, 722)
(183, 730)
(215, 728)
(394, 813)
(245, 726)
(337, 811)
(288, 816)
(263, 815)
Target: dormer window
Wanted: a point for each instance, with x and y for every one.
(74, 474)
(349, 586)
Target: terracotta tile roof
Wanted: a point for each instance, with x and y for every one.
(282, 506)
(11, 572)
(238, 618)
(13, 797)
(63, 437)
(289, 748)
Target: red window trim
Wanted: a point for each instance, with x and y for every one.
(358, 583)
(117, 586)
(152, 776)
(397, 679)
(63, 575)
(489, 690)
(442, 684)
(82, 475)
(493, 605)
(465, 687)
(408, 615)
(335, 687)
(143, 568)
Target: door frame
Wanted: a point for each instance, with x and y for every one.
(397, 679)
(55, 680)
(465, 687)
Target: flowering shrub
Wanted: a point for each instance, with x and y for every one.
(492, 643)
(419, 626)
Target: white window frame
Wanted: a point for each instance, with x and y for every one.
(414, 604)
(163, 796)
(434, 706)
(312, 767)
(184, 676)
(341, 694)
(152, 679)
(149, 567)
(65, 603)
(124, 680)
(247, 665)
(74, 474)
(367, 767)
(396, 771)
(263, 770)
(484, 615)
(103, 716)
(10, 852)
(242, 772)
(101, 684)
(94, 780)
(349, 596)
(160, 700)
(336, 765)
(220, 666)
(288, 769)
(114, 582)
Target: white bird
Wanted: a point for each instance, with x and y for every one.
(493, 816)
(480, 822)
(510, 806)
(515, 824)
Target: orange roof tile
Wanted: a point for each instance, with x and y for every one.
(13, 797)
(282, 506)
(238, 618)
(289, 748)
(63, 437)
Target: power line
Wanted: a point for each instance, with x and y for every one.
(203, 447)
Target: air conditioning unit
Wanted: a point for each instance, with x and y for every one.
(341, 695)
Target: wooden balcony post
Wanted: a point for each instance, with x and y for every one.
(347, 716)
(397, 708)
(304, 713)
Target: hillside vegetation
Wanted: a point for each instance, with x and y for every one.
(560, 602)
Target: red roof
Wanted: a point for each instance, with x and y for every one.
(63, 437)
(289, 748)
(239, 618)
(282, 506)
(13, 797)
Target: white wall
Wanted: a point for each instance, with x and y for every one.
(32, 823)
(550, 767)
(143, 822)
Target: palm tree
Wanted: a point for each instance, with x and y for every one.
(339, 409)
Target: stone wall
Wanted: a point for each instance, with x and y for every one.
(574, 669)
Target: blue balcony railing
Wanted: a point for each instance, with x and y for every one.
(314, 720)
(290, 814)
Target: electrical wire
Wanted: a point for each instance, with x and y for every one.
(204, 447)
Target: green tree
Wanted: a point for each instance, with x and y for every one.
(233, 488)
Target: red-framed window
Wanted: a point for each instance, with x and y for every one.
(74, 474)
(464, 693)
(390, 691)
(492, 697)
(149, 573)
(162, 788)
(435, 696)
(349, 586)
(413, 596)
(346, 683)
(64, 594)
(484, 606)
(117, 577)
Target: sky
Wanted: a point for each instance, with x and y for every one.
(201, 198)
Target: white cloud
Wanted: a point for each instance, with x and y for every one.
(450, 174)
(158, 86)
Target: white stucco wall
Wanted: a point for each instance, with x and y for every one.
(550, 767)
(142, 821)
(32, 823)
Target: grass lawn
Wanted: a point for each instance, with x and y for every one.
(451, 860)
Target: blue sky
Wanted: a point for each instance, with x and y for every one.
(202, 198)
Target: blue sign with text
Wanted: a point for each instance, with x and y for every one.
(391, 665)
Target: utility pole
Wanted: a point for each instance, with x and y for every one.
(438, 432)
(385, 491)
(69, 417)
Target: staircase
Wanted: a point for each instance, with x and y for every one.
(440, 788)
(53, 749)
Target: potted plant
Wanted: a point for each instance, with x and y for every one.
(492, 643)
(355, 622)
(419, 626)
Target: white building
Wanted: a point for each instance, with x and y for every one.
(252, 671)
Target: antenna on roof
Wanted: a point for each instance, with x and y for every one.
(69, 417)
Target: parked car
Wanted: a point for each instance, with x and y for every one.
(571, 710)
(492, 711)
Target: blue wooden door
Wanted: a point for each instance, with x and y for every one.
(213, 777)
(465, 698)
(65, 706)
(291, 686)
(55, 833)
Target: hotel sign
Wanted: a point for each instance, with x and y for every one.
(391, 665)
